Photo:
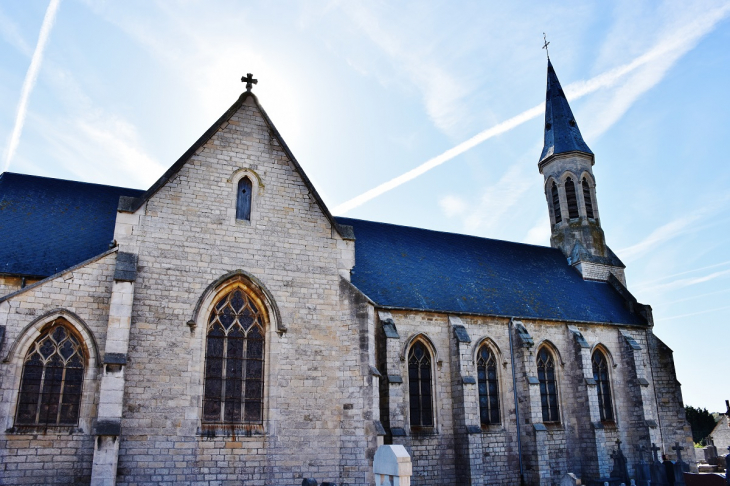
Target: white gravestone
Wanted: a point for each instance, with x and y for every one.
(392, 466)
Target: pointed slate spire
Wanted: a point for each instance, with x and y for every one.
(561, 130)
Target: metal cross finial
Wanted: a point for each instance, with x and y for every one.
(546, 45)
(248, 79)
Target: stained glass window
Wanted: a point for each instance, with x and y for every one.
(488, 387)
(600, 374)
(548, 386)
(571, 198)
(420, 386)
(53, 376)
(234, 362)
(556, 204)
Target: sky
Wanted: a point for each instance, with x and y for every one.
(418, 113)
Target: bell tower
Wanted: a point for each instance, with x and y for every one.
(566, 163)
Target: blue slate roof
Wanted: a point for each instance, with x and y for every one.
(562, 134)
(413, 268)
(48, 225)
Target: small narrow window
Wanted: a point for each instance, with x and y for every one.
(587, 198)
(600, 374)
(243, 200)
(556, 204)
(488, 387)
(419, 383)
(571, 198)
(53, 375)
(548, 386)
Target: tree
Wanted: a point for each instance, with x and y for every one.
(701, 421)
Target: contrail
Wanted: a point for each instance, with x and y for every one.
(682, 41)
(30, 78)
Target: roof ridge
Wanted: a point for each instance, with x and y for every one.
(67, 180)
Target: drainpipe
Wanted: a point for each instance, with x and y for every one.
(517, 405)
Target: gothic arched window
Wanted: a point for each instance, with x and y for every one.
(600, 374)
(488, 386)
(556, 203)
(548, 386)
(243, 199)
(571, 198)
(53, 376)
(587, 198)
(420, 386)
(234, 362)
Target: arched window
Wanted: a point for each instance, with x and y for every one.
(488, 386)
(600, 374)
(571, 198)
(234, 362)
(556, 203)
(419, 383)
(53, 376)
(243, 199)
(548, 386)
(587, 198)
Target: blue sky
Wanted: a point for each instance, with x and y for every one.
(366, 93)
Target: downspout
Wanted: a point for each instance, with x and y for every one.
(517, 405)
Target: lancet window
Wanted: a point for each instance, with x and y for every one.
(587, 198)
(234, 361)
(571, 198)
(53, 376)
(548, 385)
(556, 203)
(420, 385)
(243, 199)
(488, 386)
(600, 374)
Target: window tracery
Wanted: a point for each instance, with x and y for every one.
(52, 382)
(600, 374)
(488, 386)
(420, 386)
(548, 386)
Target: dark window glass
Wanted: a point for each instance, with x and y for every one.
(53, 376)
(548, 386)
(571, 198)
(556, 204)
(600, 374)
(587, 198)
(488, 387)
(419, 383)
(234, 362)
(243, 200)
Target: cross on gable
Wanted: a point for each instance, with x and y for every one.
(248, 79)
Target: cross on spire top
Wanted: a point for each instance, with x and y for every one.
(545, 46)
(248, 79)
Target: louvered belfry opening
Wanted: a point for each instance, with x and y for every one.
(488, 387)
(588, 199)
(548, 386)
(53, 376)
(600, 374)
(556, 204)
(571, 198)
(234, 362)
(419, 386)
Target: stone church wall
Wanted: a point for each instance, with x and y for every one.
(55, 455)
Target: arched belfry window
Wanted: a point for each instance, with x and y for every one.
(548, 385)
(420, 386)
(234, 361)
(488, 386)
(600, 374)
(53, 376)
(587, 198)
(556, 203)
(571, 198)
(243, 199)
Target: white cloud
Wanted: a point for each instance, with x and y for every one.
(539, 234)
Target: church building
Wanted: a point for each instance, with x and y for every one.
(222, 327)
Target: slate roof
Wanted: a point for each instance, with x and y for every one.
(413, 268)
(48, 225)
(562, 134)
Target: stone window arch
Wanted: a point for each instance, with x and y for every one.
(234, 359)
(555, 198)
(420, 385)
(488, 385)
(571, 198)
(52, 378)
(547, 376)
(603, 384)
(247, 190)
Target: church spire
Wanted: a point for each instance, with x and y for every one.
(562, 134)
